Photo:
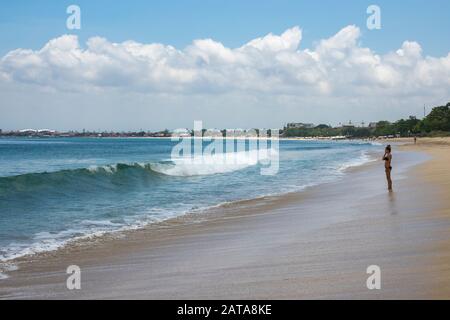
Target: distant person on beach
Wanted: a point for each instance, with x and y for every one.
(387, 158)
(415, 140)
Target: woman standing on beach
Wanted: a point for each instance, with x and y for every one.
(387, 165)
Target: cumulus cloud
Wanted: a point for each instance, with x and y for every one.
(273, 65)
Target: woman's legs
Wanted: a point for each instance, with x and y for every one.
(388, 177)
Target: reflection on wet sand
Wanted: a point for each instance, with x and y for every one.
(392, 203)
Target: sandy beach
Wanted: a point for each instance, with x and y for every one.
(315, 244)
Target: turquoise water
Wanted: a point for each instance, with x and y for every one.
(58, 189)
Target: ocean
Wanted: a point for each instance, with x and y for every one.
(55, 190)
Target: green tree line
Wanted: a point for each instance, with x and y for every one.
(436, 123)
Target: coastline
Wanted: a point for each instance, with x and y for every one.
(313, 244)
(45, 241)
(237, 137)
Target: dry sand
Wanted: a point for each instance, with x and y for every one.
(315, 244)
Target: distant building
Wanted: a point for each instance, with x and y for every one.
(213, 133)
(38, 133)
(28, 131)
(372, 125)
(182, 132)
(299, 125)
(45, 132)
(348, 125)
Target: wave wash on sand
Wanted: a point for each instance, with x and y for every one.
(44, 211)
(313, 244)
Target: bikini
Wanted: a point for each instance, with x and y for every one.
(387, 159)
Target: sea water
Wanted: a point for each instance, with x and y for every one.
(54, 190)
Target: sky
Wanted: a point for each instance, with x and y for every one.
(163, 64)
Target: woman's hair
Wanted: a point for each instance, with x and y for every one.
(388, 147)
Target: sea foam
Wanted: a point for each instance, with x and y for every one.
(208, 164)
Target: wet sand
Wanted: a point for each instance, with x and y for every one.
(315, 244)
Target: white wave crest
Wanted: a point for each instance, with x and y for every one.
(209, 164)
(107, 168)
(363, 159)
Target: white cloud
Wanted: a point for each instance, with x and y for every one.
(269, 65)
(289, 40)
(273, 70)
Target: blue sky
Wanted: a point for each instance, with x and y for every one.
(270, 62)
(30, 24)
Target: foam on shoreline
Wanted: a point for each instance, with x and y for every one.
(89, 229)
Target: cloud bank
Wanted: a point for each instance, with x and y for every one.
(264, 83)
(271, 65)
